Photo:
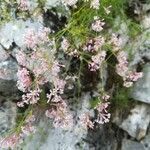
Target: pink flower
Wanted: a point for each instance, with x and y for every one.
(59, 85)
(98, 42)
(20, 104)
(94, 44)
(24, 5)
(43, 34)
(10, 141)
(28, 129)
(55, 68)
(97, 61)
(86, 122)
(21, 58)
(31, 39)
(24, 80)
(116, 42)
(60, 115)
(134, 76)
(105, 97)
(122, 69)
(103, 115)
(41, 68)
(53, 96)
(32, 97)
(95, 4)
(98, 24)
(74, 53)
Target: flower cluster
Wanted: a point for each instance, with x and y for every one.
(21, 58)
(103, 116)
(45, 72)
(59, 113)
(115, 42)
(98, 24)
(14, 139)
(122, 68)
(86, 122)
(23, 5)
(32, 97)
(32, 37)
(28, 128)
(24, 80)
(97, 61)
(10, 141)
(95, 44)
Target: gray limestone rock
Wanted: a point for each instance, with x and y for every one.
(50, 138)
(131, 145)
(137, 121)
(7, 115)
(8, 78)
(141, 90)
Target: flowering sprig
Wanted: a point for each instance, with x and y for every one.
(43, 75)
(122, 68)
(14, 139)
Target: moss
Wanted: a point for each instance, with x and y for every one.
(121, 99)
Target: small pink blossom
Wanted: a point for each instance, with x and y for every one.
(28, 129)
(10, 141)
(74, 53)
(98, 24)
(61, 117)
(59, 85)
(30, 119)
(98, 42)
(134, 76)
(43, 34)
(86, 122)
(31, 39)
(55, 68)
(103, 116)
(41, 68)
(105, 97)
(21, 58)
(115, 42)
(53, 96)
(24, 5)
(94, 44)
(20, 104)
(24, 80)
(32, 97)
(97, 61)
(122, 68)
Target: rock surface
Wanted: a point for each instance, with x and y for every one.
(57, 138)
(7, 115)
(131, 145)
(8, 77)
(137, 122)
(141, 90)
